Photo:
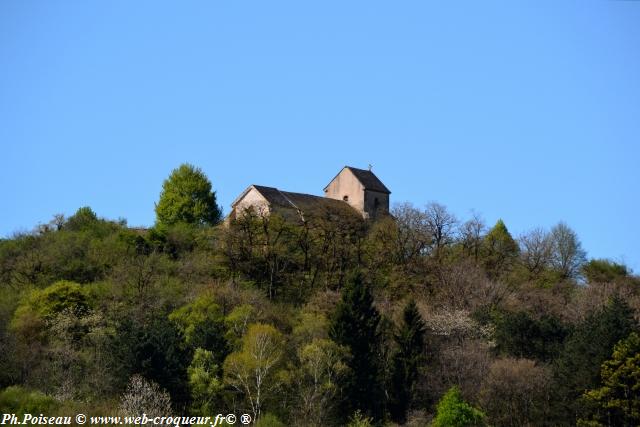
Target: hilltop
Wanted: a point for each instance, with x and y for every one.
(400, 319)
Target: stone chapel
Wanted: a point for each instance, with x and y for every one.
(359, 189)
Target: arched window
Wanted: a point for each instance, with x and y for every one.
(345, 198)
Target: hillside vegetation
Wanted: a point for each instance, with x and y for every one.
(418, 318)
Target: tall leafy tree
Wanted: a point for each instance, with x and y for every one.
(321, 367)
(406, 362)
(187, 198)
(355, 325)
(251, 370)
(568, 257)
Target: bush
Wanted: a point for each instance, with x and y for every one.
(452, 411)
(19, 400)
(359, 420)
(269, 420)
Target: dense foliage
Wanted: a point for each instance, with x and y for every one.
(618, 398)
(187, 198)
(453, 411)
(413, 319)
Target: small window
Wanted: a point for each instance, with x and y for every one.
(345, 198)
(376, 203)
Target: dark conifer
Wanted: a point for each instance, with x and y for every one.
(355, 325)
(406, 362)
(591, 344)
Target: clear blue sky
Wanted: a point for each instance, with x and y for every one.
(525, 111)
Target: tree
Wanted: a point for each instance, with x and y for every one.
(567, 253)
(413, 234)
(604, 271)
(535, 251)
(618, 400)
(237, 322)
(84, 218)
(155, 350)
(186, 197)
(46, 303)
(251, 370)
(355, 325)
(144, 397)
(202, 326)
(578, 367)
(406, 362)
(453, 411)
(499, 251)
(520, 335)
(36, 314)
(398, 243)
(321, 367)
(471, 236)
(441, 224)
(515, 392)
(204, 381)
(62, 342)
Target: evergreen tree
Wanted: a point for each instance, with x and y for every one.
(406, 362)
(355, 325)
(499, 251)
(578, 366)
(156, 352)
(205, 383)
(618, 399)
(521, 335)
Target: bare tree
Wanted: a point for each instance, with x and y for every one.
(536, 249)
(464, 285)
(442, 225)
(413, 232)
(471, 233)
(58, 221)
(516, 392)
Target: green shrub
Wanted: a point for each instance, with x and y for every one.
(452, 411)
(19, 400)
(269, 420)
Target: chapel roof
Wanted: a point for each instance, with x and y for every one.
(367, 178)
(287, 199)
